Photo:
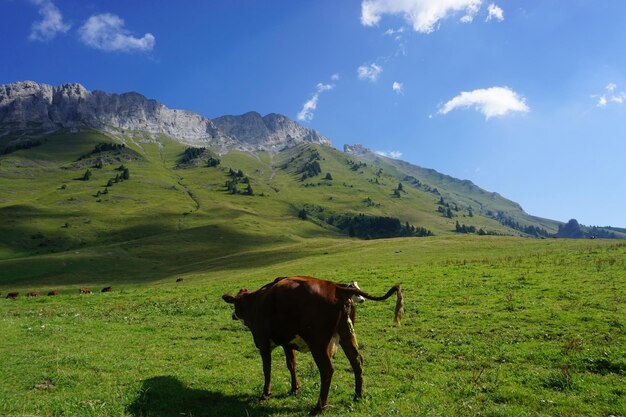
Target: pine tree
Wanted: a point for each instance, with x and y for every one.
(87, 175)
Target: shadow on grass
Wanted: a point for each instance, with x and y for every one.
(166, 396)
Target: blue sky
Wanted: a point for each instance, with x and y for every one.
(525, 98)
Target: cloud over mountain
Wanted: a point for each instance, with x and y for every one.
(51, 22)
(107, 32)
(492, 102)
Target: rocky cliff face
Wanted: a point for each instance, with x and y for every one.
(274, 130)
(29, 105)
(356, 150)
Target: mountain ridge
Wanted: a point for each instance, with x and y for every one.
(28, 105)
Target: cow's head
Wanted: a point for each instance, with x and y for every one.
(242, 303)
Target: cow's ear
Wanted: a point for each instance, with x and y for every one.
(229, 298)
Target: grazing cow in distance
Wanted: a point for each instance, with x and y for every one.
(305, 314)
(32, 294)
(84, 291)
(12, 295)
(53, 293)
(107, 289)
(180, 279)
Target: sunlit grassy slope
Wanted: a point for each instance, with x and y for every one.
(48, 212)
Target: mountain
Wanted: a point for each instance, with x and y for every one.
(118, 182)
(463, 193)
(30, 106)
(272, 132)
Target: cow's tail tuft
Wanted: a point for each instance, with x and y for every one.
(399, 305)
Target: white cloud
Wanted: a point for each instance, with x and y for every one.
(309, 107)
(106, 32)
(423, 15)
(471, 11)
(610, 96)
(495, 12)
(371, 72)
(390, 32)
(392, 154)
(397, 87)
(492, 102)
(50, 24)
(324, 87)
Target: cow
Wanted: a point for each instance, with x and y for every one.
(106, 289)
(12, 295)
(84, 291)
(305, 314)
(32, 294)
(180, 279)
(53, 293)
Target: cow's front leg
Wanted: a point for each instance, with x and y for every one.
(291, 365)
(266, 355)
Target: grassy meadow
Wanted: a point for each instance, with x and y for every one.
(494, 326)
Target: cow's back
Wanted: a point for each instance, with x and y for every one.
(303, 306)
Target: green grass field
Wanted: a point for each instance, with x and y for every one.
(494, 326)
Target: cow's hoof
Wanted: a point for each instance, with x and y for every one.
(358, 397)
(294, 391)
(316, 411)
(265, 397)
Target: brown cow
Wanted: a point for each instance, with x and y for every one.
(84, 291)
(107, 289)
(305, 314)
(53, 293)
(12, 295)
(32, 294)
(180, 279)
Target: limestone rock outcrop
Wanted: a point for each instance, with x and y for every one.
(28, 105)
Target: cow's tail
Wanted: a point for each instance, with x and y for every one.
(395, 289)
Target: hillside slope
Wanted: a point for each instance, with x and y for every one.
(82, 201)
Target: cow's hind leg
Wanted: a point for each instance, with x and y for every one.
(266, 355)
(347, 340)
(321, 355)
(291, 365)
